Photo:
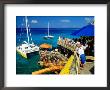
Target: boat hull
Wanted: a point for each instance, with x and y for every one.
(22, 54)
(28, 55)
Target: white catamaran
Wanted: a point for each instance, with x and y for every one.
(48, 36)
(27, 48)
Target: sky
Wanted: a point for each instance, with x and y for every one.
(55, 21)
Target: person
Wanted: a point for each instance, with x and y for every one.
(80, 50)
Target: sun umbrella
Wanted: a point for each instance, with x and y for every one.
(85, 31)
(45, 46)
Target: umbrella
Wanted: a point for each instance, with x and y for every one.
(45, 46)
(85, 31)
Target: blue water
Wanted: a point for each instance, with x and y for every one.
(39, 33)
(24, 66)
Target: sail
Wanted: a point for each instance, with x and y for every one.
(27, 28)
(48, 36)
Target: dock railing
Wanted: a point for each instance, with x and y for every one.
(75, 63)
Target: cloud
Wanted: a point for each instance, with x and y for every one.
(34, 21)
(89, 20)
(65, 20)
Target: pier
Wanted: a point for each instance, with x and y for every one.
(68, 63)
(73, 63)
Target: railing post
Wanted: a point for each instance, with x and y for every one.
(77, 62)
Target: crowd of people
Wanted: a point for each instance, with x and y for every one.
(66, 52)
(84, 40)
(51, 58)
(66, 42)
(83, 46)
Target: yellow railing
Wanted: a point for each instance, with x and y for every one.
(73, 63)
(66, 69)
(77, 62)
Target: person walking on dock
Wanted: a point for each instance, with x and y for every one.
(80, 50)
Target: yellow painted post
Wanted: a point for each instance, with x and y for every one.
(66, 69)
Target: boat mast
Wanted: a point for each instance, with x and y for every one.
(48, 28)
(27, 28)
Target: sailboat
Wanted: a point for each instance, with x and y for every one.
(26, 48)
(48, 36)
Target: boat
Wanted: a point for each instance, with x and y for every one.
(26, 49)
(48, 36)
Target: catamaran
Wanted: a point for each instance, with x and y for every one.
(27, 48)
(48, 36)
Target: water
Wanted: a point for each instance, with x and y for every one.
(27, 66)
